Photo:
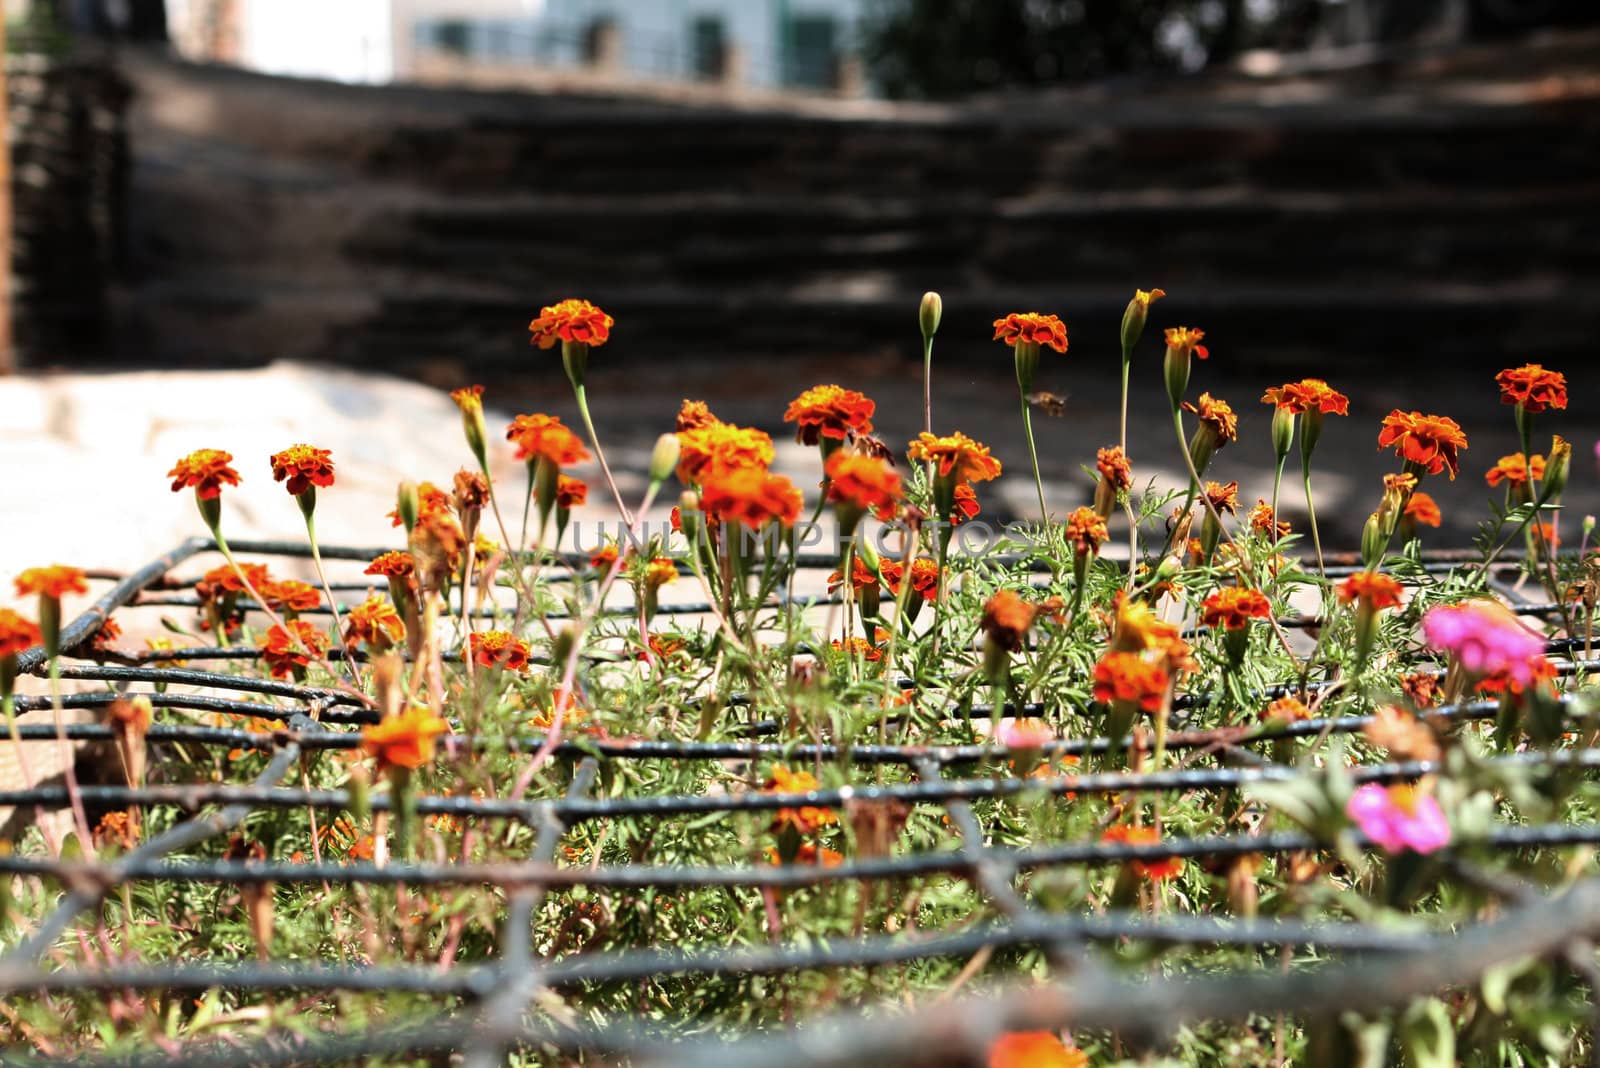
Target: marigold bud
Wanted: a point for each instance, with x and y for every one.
(1282, 432)
(1556, 468)
(664, 458)
(1373, 541)
(1133, 318)
(929, 313)
(408, 503)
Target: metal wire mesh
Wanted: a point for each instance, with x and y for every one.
(484, 1009)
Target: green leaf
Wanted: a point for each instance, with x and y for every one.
(1427, 1037)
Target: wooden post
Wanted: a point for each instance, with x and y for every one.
(8, 355)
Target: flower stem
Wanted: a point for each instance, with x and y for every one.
(1033, 453)
(582, 395)
(927, 387)
(333, 605)
(1127, 362)
(1311, 513)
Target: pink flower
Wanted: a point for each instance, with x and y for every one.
(1022, 734)
(1485, 638)
(1399, 818)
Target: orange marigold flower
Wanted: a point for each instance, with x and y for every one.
(956, 454)
(924, 577)
(570, 492)
(752, 496)
(1087, 531)
(1129, 677)
(806, 819)
(406, 740)
(856, 646)
(1263, 521)
(809, 853)
(1035, 1049)
(660, 571)
(861, 577)
(289, 595)
(1513, 470)
(1429, 441)
(1286, 709)
(498, 649)
(571, 320)
(134, 716)
(692, 415)
(1371, 588)
(430, 498)
(55, 581)
(392, 564)
(862, 482)
(1185, 339)
(375, 622)
(304, 467)
(1533, 387)
(708, 451)
(16, 634)
(602, 558)
(1422, 508)
(115, 828)
(1308, 395)
(223, 579)
(1046, 331)
(285, 651)
(830, 412)
(1140, 836)
(206, 470)
(1217, 415)
(1114, 467)
(1223, 498)
(1541, 672)
(544, 437)
(1233, 607)
(966, 504)
(1421, 688)
(1006, 619)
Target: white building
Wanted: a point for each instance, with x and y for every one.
(767, 44)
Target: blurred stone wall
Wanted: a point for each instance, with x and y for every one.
(69, 155)
(1444, 209)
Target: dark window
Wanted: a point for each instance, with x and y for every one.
(707, 48)
(813, 51)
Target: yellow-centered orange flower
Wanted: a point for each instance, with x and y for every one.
(1308, 395)
(289, 595)
(705, 452)
(545, 437)
(805, 819)
(1186, 340)
(206, 470)
(1233, 607)
(1532, 387)
(1114, 467)
(862, 482)
(1128, 678)
(1139, 836)
(1006, 619)
(392, 564)
(660, 571)
(1035, 1049)
(55, 581)
(1371, 588)
(1223, 498)
(285, 654)
(498, 649)
(1046, 331)
(924, 577)
(1422, 508)
(1263, 520)
(406, 740)
(861, 576)
(375, 622)
(1087, 531)
(304, 467)
(1217, 415)
(830, 412)
(1513, 470)
(752, 496)
(1287, 709)
(16, 634)
(1429, 441)
(571, 320)
(957, 455)
(570, 492)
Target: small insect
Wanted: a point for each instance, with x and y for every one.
(1052, 404)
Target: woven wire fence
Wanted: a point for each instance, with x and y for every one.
(485, 1009)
